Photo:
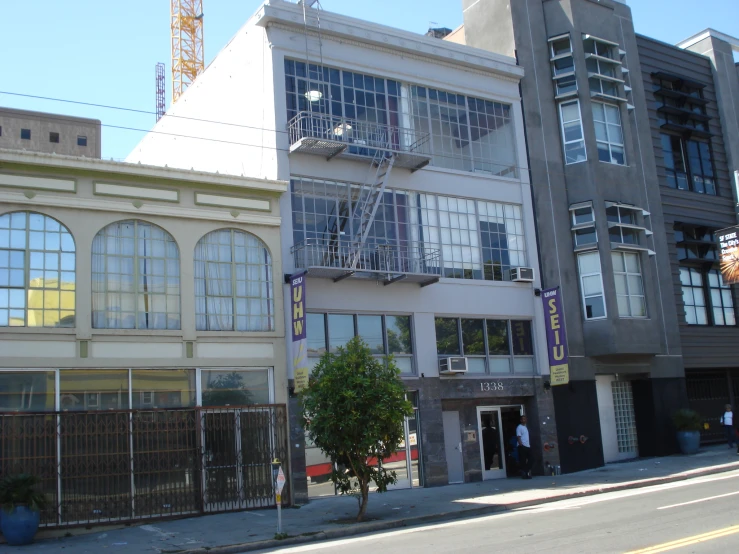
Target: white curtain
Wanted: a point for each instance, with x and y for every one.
(213, 283)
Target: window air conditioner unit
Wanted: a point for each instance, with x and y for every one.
(522, 274)
(452, 366)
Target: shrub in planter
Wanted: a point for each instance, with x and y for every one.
(21, 507)
(688, 424)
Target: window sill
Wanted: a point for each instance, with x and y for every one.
(614, 163)
(484, 282)
(136, 332)
(39, 330)
(473, 174)
(240, 334)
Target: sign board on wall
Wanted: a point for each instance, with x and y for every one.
(299, 336)
(728, 251)
(559, 368)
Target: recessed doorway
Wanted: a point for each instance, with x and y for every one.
(497, 437)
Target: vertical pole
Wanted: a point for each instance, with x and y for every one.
(279, 514)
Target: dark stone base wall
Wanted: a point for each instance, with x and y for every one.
(576, 406)
(464, 395)
(299, 481)
(655, 400)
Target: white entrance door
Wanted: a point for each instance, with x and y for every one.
(617, 420)
(490, 437)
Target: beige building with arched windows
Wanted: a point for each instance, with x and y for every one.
(142, 337)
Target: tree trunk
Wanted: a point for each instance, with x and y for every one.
(364, 486)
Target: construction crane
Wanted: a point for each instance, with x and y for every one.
(161, 103)
(187, 44)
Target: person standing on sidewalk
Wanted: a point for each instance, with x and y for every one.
(524, 448)
(727, 420)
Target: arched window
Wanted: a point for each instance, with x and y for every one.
(233, 283)
(37, 264)
(135, 277)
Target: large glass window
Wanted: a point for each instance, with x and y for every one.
(694, 299)
(385, 335)
(492, 346)
(37, 272)
(583, 225)
(27, 391)
(135, 277)
(468, 134)
(591, 285)
(162, 388)
(572, 134)
(93, 389)
(476, 239)
(608, 133)
(234, 387)
(629, 285)
(233, 283)
(722, 304)
(688, 164)
(623, 216)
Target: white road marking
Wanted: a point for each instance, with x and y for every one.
(558, 505)
(699, 500)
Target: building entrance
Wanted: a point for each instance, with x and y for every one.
(497, 438)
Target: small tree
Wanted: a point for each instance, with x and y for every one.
(354, 409)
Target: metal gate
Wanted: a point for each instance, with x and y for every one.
(99, 467)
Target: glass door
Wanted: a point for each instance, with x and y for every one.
(490, 435)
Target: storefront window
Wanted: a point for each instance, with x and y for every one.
(93, 389)
(340, 330)
(447, 336)
(385, 335)
(487, 344)
(162, 388)
(369, 327)
(235, 388)
(27, 391)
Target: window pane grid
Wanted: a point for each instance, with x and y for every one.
(467, 134)
(694, 299)
(135, 277)
(477, 239)
(491, 346)
(37, 272)
(608, 133)
(722, 303)
(233, 283)
(629, 286)
(591, 285)
(572, 133)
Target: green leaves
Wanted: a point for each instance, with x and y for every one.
(354, 409)
(20, 489)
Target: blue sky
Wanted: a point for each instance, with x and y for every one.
(104, 52)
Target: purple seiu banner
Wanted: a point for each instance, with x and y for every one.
(299, 336)
(556, 335)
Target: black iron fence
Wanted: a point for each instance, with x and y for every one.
(708, 393)
(113, 466)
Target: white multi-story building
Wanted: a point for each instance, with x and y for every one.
(410, 208)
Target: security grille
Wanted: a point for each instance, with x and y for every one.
(623, 406)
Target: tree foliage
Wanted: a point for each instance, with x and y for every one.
(354, 408)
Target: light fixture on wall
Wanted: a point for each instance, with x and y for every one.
(314, 95)
(342, 128)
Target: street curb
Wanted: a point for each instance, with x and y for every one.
(373, 527)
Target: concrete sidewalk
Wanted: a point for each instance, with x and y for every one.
(255, 530)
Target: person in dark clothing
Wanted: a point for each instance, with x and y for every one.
(489, 444)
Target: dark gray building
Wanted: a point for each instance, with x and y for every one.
(692, 92)
(49, 133)
(600, 223)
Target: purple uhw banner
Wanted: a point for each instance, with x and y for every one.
(556, 336)
(299, 336)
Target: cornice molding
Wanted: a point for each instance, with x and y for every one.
(286, 16)
(127, 207)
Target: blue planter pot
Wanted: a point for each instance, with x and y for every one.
(19, 526)
(689, 441)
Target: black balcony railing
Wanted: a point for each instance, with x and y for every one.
(328, 135)
(388, 260)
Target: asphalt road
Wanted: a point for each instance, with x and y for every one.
(699, 515)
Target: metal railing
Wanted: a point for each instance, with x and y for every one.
(115, 466)
(361, 137)
(407, 257)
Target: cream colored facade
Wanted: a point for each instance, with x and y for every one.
(87, 195)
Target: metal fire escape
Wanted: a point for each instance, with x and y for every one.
(326, 135)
